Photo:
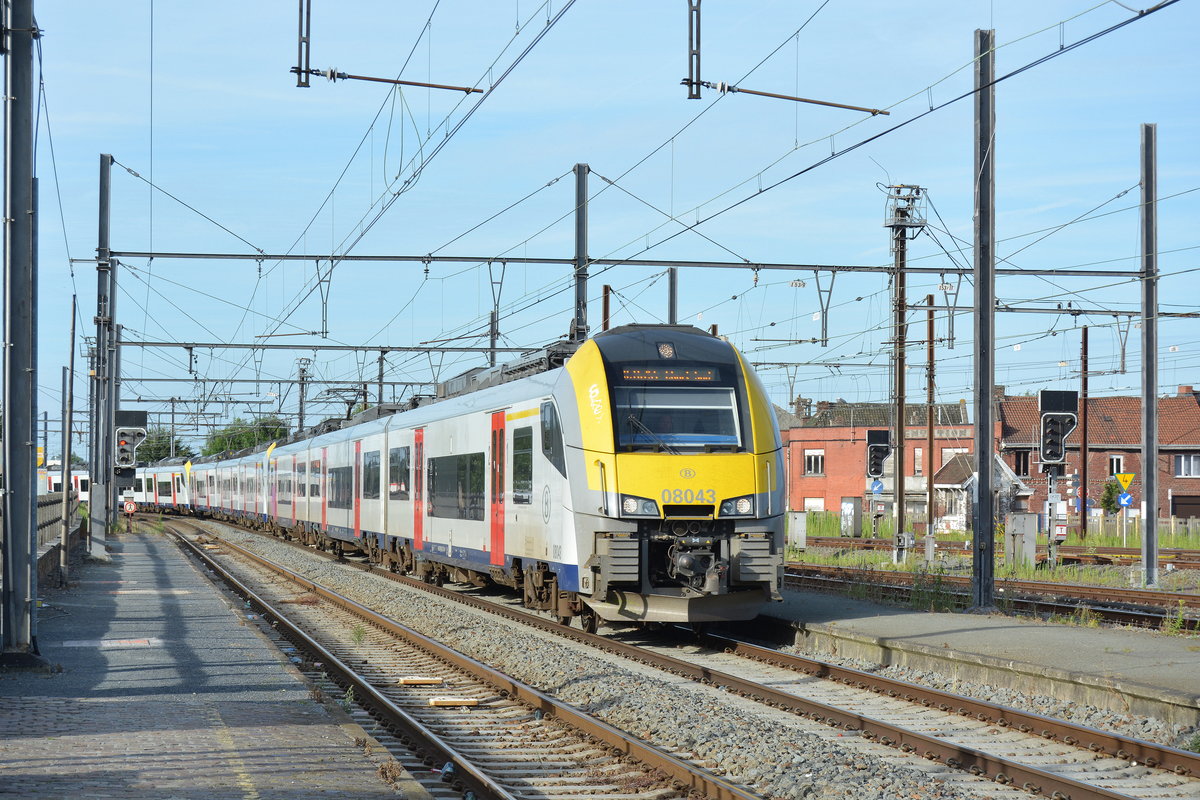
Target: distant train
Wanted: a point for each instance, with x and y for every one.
(640, 481)
(49, 481)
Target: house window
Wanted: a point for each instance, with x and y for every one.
(950, 452)
(1021, 463)
(814, 462)
(918, 461)
(1116, 465)
(814, 504)
(1187, 466)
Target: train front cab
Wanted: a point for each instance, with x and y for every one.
(681, 514)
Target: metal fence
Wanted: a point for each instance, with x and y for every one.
(49, 518)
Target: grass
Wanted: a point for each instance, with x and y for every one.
(1193, 744)
(348, 699)
(1173, 622)
(358, 632)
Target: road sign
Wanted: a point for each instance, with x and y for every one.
(877, 487)
(1054, 497)
(1125, 500)
(130, 507)
(1125, 478)
(1060, 533)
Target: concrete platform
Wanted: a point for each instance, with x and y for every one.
(163, 686)
(1136, 672)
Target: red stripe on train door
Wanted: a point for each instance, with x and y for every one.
(358, 490)
(419, 490)
(497, 499)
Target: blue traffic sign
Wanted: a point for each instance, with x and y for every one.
(876, 486)
(1124, 499)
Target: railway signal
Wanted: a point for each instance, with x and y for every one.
(878, 448)
(1059, 418)
(127, 441)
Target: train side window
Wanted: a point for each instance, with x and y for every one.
(341, 487)
(137, 484)
(83, 484)
(398, 469)
(314, 484)
(552, 443)
(370, 480)
(522, 453)
(301, 480)
(164, 488)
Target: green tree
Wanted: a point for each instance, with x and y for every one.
(241, 434)
(1108, 500)
(157, 446)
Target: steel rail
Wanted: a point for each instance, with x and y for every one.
(1181, 762)
(680, 773)
(964, 758)
(1149, 598)
(1180, 557)
(467, 775)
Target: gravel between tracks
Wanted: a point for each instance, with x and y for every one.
(778, 754)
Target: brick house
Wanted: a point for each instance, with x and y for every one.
(826, 453)
(1114, 446)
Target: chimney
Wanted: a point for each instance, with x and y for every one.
(803, 407)
(823, 405)
(1186, 390)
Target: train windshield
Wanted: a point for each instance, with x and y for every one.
(676, 418)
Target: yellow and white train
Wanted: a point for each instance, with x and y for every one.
(641, 481)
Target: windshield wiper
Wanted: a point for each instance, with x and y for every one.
(657, 439)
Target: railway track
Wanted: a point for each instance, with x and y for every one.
(1145, 608)
(1078, 554)
(1038, 754)
(456, 721)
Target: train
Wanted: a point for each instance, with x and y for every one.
(636, 477)
(49, 481)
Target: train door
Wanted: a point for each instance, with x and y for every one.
(497, 497)
(295, 491)
(324, 466)
(419, 490)
(358, 489)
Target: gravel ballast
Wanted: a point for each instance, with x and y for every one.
(778, 754)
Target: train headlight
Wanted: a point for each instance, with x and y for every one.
(632, 506)
(738, 507)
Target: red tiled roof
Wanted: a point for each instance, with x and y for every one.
(1114, 421)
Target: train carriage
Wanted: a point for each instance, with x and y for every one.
(641, 481)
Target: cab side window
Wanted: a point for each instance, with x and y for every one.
(552, 442)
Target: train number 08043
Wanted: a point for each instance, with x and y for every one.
(689, 496)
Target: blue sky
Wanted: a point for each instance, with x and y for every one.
(202, 105)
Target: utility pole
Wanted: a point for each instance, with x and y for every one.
(379, 380)
(103, 414)
(929, 418)
(18, 595)
(1149, 220)
(983, 558)
(672, 295)
(173, 399)
(46, 439)
(905, 218)
(579, 326)
(68, 413)
(604, 308)
(1083, 433)
(304, 364)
